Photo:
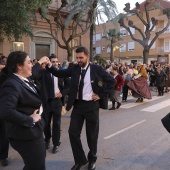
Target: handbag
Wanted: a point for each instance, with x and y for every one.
(166, 122)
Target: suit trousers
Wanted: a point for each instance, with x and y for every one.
(52, 111)
(32, 152)
(87, 111)
(161, 90)
(4, 143)
(125, 91)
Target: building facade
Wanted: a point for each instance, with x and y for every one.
(127, 50)
(42, 43)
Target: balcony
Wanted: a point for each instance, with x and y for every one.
(166, 32)
(163, 49)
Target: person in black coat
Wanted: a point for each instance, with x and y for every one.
(90, 84)
(52, 91)
(160, 78)
(4, 143)
(19, 105)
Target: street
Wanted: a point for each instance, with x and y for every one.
(130, 138)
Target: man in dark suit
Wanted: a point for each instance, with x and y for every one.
(52, 90)
(89, 84)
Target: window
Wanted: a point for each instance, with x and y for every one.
(103, 48)
(150, 27)
(167, 46)
(131, 46)
(132, 30)
(98, 50)
(108, 49)
(94, 39)
(123, 31)
(98, 37)
(123, 48)
(153, 46)
(168, 29)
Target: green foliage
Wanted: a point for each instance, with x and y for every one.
(104, 8)
(99, 59)
(113, 36)
(15, 16)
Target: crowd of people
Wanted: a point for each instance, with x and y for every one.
(33, 93)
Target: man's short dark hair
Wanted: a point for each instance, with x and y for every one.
(82, 49)
(52, 56)
(115, 68)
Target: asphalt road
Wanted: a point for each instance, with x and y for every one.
(131, 138)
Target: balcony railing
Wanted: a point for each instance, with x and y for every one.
(167, 31)
(163, 49)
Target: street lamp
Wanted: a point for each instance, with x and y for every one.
(17, 46)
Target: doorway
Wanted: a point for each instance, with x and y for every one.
(42, 50)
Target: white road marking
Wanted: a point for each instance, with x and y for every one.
(130, 105)
(157, 107)
(125, 129)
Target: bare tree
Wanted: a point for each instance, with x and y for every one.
(146, 36)
(73, 18)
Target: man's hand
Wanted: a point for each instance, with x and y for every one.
(58, 95)
(95, 97)
(44, 59)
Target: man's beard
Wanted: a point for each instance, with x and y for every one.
(82, 64)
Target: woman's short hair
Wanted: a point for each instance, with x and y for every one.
(14, 59)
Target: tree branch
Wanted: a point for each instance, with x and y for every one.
(135, 11)
(121, 22)
(157, 34)
(51, 30)
(130, 23)
(147, 14)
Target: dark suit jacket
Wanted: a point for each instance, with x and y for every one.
(101, 81)
(17, 103)
(44, 76)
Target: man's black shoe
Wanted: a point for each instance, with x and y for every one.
(47, 145)
(118, 105)
(112, 108)
(55, 149)
(4, 162)
(91, 166)
(78, 166)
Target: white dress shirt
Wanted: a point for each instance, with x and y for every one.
(56, 89)
(87, 88)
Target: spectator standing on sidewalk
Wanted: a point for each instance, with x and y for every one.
(160, 78)
(115, 92)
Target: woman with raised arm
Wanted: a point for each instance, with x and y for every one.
(19, 105)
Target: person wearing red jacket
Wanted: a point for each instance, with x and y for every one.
(115, 93)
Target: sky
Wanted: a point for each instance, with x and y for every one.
(121, 4)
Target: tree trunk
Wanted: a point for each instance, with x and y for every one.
(111, 52)
(69, 55)
(145, 56)
(91, 42)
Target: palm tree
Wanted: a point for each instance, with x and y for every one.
(104, 8)
(101, 9)
(113, 36)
